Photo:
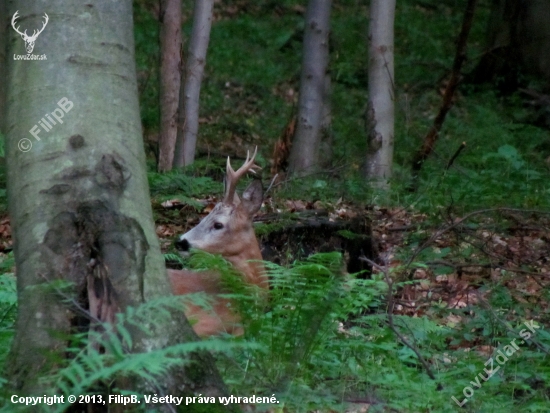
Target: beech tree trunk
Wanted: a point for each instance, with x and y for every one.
(380, 108)
(194, 70)
(78, 198)
(170, 76)
(304, 155)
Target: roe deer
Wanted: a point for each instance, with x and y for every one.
(228, 231)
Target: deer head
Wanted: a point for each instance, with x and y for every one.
(228, 229)
(29, 40)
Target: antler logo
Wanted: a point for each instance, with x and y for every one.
(29, 40)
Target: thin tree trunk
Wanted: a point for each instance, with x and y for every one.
(78, 199)
(170, 77)
(194, 70)
(380, 109)
(433, 134)
(304, 156)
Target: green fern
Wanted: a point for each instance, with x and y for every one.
(175, 257)
(295, 327)
(89, 366)
(8, 308)
(181, 186)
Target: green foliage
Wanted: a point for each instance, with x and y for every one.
(318, 337)
(146, 34)
(107, 352)
(2, 145)
(8, 305)
(89, 366)
(176, 258)
(326, 188)
(177, 185)
(491, 171)
(322, 338)
(298, 330)
(248, 98)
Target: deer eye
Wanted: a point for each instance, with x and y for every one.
(218, 225)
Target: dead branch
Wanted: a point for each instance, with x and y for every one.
(452, 84)
(453, 158)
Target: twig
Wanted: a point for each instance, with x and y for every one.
(384, 270)
(271, 184)
(460, 148)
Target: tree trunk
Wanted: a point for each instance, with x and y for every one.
(78, 199)
(170, 76)
(518, 38)
(380, 108)
(196, 59)
(304, 155)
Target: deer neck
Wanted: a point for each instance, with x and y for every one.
(248, 262)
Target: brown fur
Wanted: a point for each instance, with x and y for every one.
(205, 323)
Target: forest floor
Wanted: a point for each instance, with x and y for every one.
(447, 267)
(468, 252)
(508, 246)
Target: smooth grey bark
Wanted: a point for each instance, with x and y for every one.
(304, 155)
(170, 77)
(190, 93)
(78, 199)
(380, 108)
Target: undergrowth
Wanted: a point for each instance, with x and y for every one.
(106, 352)
(320, 340)
(324, 342)
(8, 305)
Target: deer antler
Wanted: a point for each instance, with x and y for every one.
(13, 19)
(46, 19)
(233, 177)
(35, 32)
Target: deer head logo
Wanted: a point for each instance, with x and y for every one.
(29, 40)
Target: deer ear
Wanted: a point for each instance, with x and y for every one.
(253, 197)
